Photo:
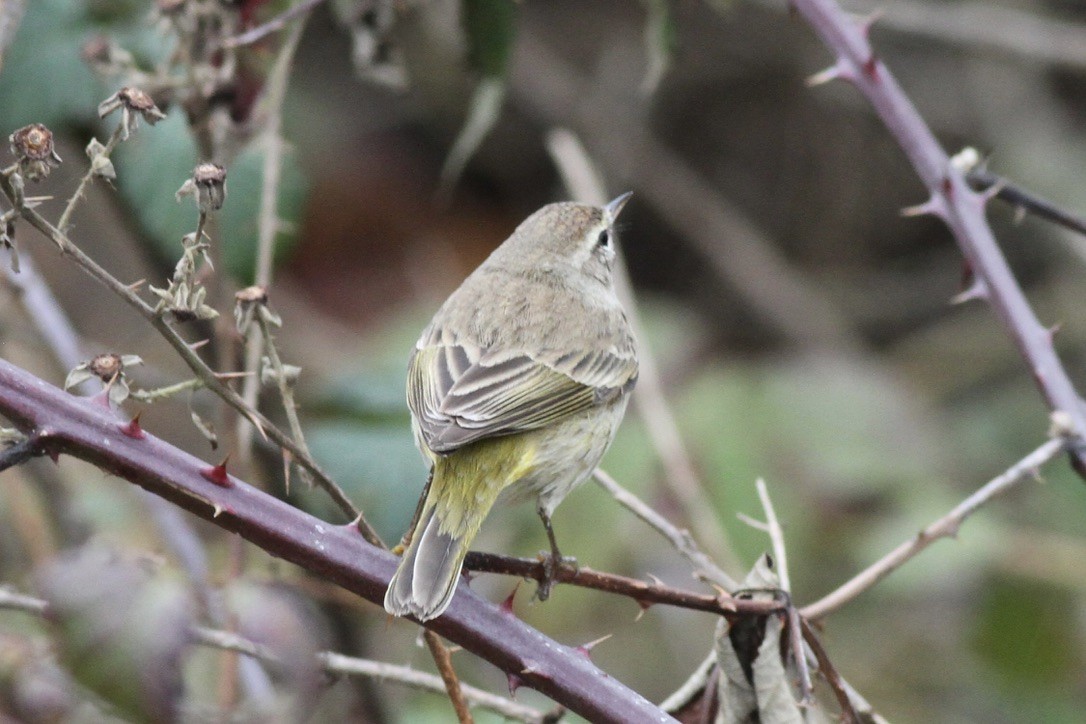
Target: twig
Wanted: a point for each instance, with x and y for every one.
(681, 539)
(71, 425)
(584, 183)
(776, 536)
(792, 620)
(945, 527)
(644, 593)
(14, 601)
(286, 388)
(193, 360)
(84, 182)
(19, 453)
(272, 26)
(1020, 198)
(825, 665)
(268, 222)
(339, 664)
(449, 679)
(952, 200)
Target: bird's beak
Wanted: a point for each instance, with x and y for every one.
(615, 206)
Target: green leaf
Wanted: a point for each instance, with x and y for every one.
(154, 163)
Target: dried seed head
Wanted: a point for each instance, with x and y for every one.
(137, 100)
(106, 366)
(134, 104)
(253, 294)
(210, 180)
(33, 149)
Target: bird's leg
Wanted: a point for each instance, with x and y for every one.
(551, 563)
(410, 533)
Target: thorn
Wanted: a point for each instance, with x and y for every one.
(251, 417)
(865, 24)
(506, 606)
(642, 606)
(134, 286)
(1054, 330)
(977, 290)
(586, 649)
(934, 206)
(515, 682)
(133, 429)
(1019, 214)
(218, 475)
(198, 344)
(838, 71)
(102, 398)
(655, 581)
(217, 510)
(54, 455)
(354, 525)
(947, 187)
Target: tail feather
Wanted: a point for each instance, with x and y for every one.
(425, 582)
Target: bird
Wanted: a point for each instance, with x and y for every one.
(516, 389)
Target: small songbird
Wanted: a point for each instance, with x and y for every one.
(516, 389)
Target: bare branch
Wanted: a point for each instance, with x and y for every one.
(945, 527)
(681, 539)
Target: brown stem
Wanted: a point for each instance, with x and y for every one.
(448, 676)
(644, 593)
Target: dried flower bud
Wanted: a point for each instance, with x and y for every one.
(100, 163)
(110, 369)
(33, 149)
(208, 185)
(247, 301)
(106, 366)
(133, 103)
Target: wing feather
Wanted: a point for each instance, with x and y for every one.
(460, 393)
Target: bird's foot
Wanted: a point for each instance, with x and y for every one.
(552, 568)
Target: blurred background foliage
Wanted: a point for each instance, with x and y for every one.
(888, 408)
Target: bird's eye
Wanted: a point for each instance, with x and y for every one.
(604, 238)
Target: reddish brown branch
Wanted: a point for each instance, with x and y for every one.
(642, 592)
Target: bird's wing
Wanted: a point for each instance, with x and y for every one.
(460, 393)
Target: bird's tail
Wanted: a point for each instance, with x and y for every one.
(426, 580)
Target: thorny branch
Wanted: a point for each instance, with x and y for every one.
(59, 423)
(953, 201)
